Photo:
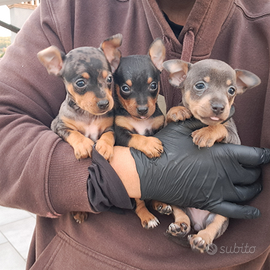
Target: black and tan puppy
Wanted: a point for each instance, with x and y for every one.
(86, 115)
(208, 90)
(137, 115)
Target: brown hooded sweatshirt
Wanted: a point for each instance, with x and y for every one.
(39, 172)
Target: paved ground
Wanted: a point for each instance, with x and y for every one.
(16, 229)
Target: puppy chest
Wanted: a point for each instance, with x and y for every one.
(143, 126)
(92, 131)
(95, 128)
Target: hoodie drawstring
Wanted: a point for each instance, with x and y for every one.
(173, 95)
(188, 44)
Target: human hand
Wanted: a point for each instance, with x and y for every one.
(213, 179)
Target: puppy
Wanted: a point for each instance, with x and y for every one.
(86, 115)
(137, 115)
(209, 88)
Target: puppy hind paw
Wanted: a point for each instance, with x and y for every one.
(79, 217)
(150, 224)
(178, 229)
(197, 243)
(162, 208)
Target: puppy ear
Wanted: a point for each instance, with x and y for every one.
(245, 80)
(157, 53)
(52, 59)
(109, 47)
(178, 70)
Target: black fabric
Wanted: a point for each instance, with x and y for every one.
(104, 187)
(213, 178)
(176, 28)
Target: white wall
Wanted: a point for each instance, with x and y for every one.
(17, 18)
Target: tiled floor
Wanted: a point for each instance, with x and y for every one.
(16, 229)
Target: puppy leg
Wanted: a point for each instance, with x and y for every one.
(204, 238)
(181, 225)
(148, 220)
(105, 145)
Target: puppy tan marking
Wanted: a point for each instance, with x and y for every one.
(229, 82)
(129, 83)
(206, 79)
(85, 75)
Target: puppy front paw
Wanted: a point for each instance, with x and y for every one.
(207, 136)
(83, 149)
(178, 113)
(151, 147)
(202, 138)
(105, 149)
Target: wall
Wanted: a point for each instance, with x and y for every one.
(19, 13)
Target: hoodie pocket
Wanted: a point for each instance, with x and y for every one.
(65, 253)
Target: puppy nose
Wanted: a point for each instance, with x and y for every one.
(142, 110)
(218, 108)
(103, 104)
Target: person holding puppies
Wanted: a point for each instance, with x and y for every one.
(40, 173)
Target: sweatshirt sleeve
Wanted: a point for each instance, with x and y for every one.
(39, 171)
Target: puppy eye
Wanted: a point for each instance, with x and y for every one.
(200, 86)
(153, 86)
(231, 90)
(80, 83)
(109, 79)
(125, 89)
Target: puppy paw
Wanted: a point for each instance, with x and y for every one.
(83, 149)
(150, 222)
(202, 138)
(79, 217)
(105, 149)
(199, 243)
(162, 208)
(151, 147)
(207, 136)
(178, 229)
(178, 113)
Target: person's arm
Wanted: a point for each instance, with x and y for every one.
(219, 179)
(124, 165)
(39, 171)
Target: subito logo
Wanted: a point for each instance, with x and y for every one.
(212, 250)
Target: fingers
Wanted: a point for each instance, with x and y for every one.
(246, 176)
(192, 124)
(243, 193)
(232, 210)
(183, 127)
(250, 156)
